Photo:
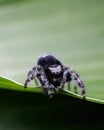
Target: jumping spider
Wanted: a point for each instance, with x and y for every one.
(52, 75)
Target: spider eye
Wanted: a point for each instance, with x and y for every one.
(56, 69)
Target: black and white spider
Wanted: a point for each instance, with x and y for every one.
(52, 75)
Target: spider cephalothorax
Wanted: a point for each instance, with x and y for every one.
(52, 75)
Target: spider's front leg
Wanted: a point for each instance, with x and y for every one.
(67, 77)
(78, 82)
(73, 76)
(30, 76)
(45, 85)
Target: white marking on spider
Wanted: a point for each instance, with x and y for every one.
(55, 69)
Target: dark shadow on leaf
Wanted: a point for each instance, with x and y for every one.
(35, 110)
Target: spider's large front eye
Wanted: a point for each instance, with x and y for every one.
(55, 70)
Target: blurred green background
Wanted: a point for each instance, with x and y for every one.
(73, 30)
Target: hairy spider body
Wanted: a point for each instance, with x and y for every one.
(52, 75)
(53, 69)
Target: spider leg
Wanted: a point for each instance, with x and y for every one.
(48, 88)
(78, 82)
(67, 77)
(30, 76)
(73, 76)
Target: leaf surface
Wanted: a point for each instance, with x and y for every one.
(31, 109)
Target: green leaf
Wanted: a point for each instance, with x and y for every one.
(29, 109)
(6, 83)
(12, 85)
